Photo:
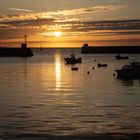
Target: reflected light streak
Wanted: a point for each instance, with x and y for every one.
(58, 71)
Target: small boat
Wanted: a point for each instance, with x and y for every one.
(129, 71)
(72, 59)
(74, 68)
(102, 65)
(118, 57)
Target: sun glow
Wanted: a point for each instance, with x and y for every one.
(57, 34)
(58, 71)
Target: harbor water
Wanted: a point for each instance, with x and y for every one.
(42, 98)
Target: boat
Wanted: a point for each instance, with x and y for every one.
(23, 51)
(131, 70)
(86, 49)
(72, 59)
(102, 65)
(119, 57)
(74, 68)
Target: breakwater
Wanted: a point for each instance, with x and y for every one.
(110, 49)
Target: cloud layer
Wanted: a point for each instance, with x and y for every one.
(19, 9)
(73, 22)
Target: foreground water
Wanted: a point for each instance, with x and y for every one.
(41, 98)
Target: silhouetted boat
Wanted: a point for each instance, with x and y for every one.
(110, 49)
(16, 52)
(72, 59)
(118, 57)
(74, 68)
(129, 71)
(102, 65)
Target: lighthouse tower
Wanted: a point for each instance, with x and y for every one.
(24, 45)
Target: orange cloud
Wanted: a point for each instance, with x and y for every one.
(19, 9)
(60, 14)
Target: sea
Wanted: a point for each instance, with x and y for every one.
(41, 98)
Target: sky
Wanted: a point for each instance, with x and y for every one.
(69, 23)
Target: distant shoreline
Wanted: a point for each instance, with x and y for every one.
(68, 47)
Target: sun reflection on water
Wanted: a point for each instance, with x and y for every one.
(58, 71)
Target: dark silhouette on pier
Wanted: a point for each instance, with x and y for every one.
(23, 51)
(111, 49)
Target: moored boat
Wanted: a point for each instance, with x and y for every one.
(72, 59)
(129, 71)
(74, 68)
(119, 57)
(102, 65)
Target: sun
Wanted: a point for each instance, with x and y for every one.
(57, 34)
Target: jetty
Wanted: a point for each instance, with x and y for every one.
(110, 49)
(23, 51)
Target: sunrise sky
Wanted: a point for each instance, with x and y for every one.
(69, 23)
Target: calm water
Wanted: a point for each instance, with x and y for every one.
(41, 98)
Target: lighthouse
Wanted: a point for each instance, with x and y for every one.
(24, 45)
